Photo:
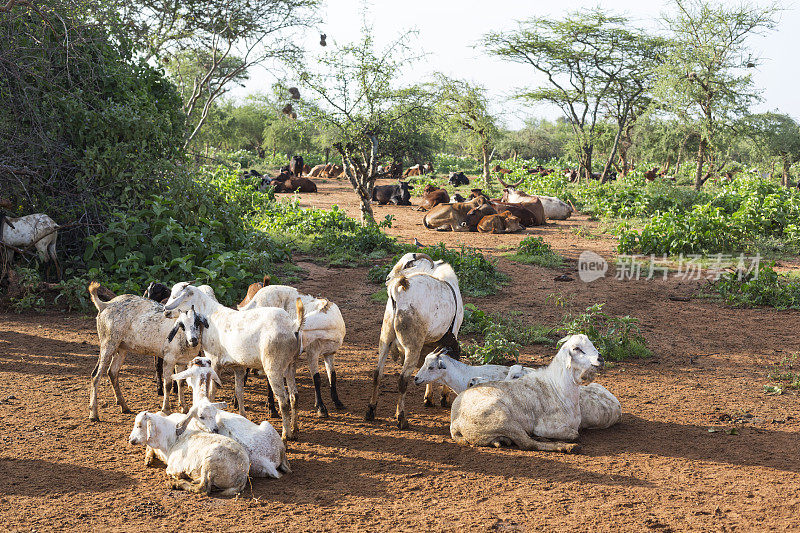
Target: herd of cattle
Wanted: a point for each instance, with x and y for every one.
(512, 212)
(206, 447)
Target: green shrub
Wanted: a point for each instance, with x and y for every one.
(496, 349)
(535, 251)
(763, 288)
(479, 322)
(615, 337)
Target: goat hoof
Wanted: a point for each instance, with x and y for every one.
(322, 412)
(429, 403)
(94, 418)
(370, 415)
(126, 410)
(273, 413)
(444, 402)
(572, 448)
(402, 422)
(340, 406)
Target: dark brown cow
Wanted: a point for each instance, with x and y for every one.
(527, 217)
(295, 184)
(434, 196)
(500, 223)
(296, 166)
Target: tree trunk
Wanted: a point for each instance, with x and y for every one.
(327, 155)
(786, 164)
(609, 161)
(487, 177)
(669, 163)
(362, 185)
(698, 175)
(586, 161)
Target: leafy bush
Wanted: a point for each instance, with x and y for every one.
(764, 288)
(785, 374)
(496, 349)
(535, 251)
(481, 323)
(615, 337)
(29, 299)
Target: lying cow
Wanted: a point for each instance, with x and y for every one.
(458, 178)
(463, 216)
(295, 184)
(397, 194)
(554, 209)
(529, 214)
(434, 196)
(503, 222)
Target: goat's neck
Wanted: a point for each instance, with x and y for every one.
(561, 374)
(458, 375)
(164, 435)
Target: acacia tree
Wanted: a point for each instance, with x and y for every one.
(588, 58)
(778, 135)
(352, 97)
(704, 79)
(465, 107)
(209, 45)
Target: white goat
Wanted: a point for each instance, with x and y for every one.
(131, 323)
(323, 334)
(599, 408)
(208, 460)
(423, 309)
(264, 446)
(544, 403)
(37, 229)
(265, 338)
(199, 376)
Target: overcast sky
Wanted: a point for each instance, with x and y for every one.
(449, 30)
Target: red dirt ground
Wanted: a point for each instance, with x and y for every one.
(659, 469)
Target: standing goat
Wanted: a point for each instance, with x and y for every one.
(323, 334)
(37, 230)
(263, 338)
(423, 309)
(130, 323)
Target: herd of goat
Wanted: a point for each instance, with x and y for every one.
(209, 447)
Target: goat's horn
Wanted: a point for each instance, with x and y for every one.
(425, 256)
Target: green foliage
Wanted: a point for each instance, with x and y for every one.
(479, 322)
(733, 219)
(766, 287)
(496, 349)
(535, 251)
(29, 299)
(785, 374)
(616, 337)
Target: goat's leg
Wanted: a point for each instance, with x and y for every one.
(409, 365)
(387, 338)
(291, 385)
(113, 376)
(445, 393)
(429, 395)
(332, 380)
(169, 362)
(212, 391)
(313, 366)
(275, 376)
(159, 364)
(51, 251)
(273, 412)
(107, 352)
(238, 390)
(182, 405)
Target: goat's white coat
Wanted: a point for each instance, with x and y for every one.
(262, 443)
(210, 460)
(420, 310)
(544, 403)
(130, 323)
(263, 338)
(27, 230)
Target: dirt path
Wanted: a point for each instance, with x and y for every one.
(659, 469)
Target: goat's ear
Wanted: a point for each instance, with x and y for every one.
(562, 341)
(183, 424)
(203, 321)
(173, 331)
(148, 425)
(182, 375)
(442, 364)
(215, 377)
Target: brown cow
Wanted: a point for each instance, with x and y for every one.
(501, 170)
(526, 216)
(651, 174)
(253, 289)
(531, 203)
(457, 217)
(295, 184)
(433, 196)
(315, 171)
(500, 223)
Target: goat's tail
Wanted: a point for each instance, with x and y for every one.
(301, 316)
(98, 303)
